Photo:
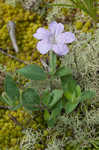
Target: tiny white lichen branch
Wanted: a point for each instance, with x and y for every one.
(11, 29)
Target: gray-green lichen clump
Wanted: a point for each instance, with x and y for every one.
(74, 131)
(13, 2)
(58, 13)
(83, 59)
(37, 6)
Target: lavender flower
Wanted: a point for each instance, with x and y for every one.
(54, 39)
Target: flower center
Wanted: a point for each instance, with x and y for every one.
(52, 39)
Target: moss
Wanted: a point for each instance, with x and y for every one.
(79, 25)
(11, 131)
(86, 26)
(26, 24)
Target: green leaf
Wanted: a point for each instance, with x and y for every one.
(56, 110)
(47, 118)
(51, 123)
(16, 107)
(78, 91)
(63, 71)
(69, 107)
(6, 99)
(56, 96)
(46, 115)
(51, 99)
(54, 114)
(68, 83)
(46, 97)
(33, 72)
(59, 5)
(87, 95)
(11, 89)
(70, 96)
(30, 99)
(1, 98)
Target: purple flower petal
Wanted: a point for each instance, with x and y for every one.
(59, 29)
(67, 37)
(60, 49)
(43, 47)
(42, 34)
(54, 39)
(56, 28)
(52, 27)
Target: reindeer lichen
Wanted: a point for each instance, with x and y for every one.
(83, 59)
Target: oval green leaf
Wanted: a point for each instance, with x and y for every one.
(11, 89)
(63, 71)
(30, 99)
(33, 72)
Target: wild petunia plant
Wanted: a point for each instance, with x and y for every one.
(52, 100)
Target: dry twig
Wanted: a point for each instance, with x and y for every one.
(13, 57)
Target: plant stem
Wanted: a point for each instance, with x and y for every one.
(50, 61)
(4, 107)
(13, 57)
(52, 65)
(14, 119)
